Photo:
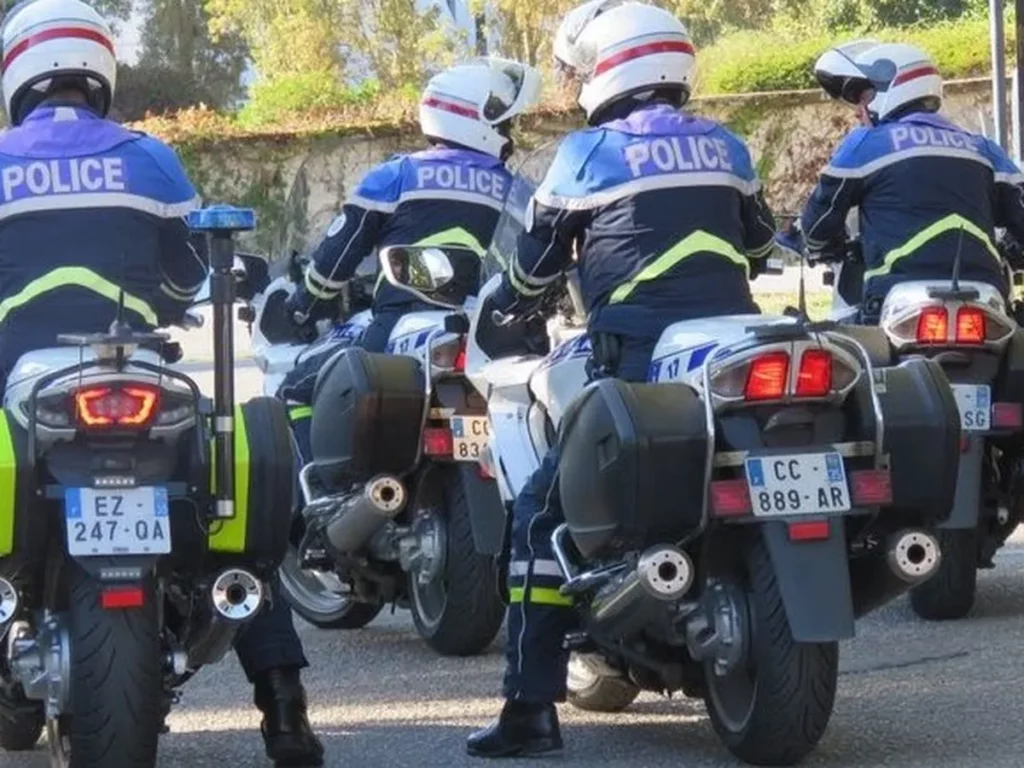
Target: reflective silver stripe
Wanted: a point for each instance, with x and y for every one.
(899, 157)
(1010, 178)
(763, 251)
(330, 285)
(666, 181)
(540, 568)
(98, 200)
(168, 289)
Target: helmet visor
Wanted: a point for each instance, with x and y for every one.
(515, 87)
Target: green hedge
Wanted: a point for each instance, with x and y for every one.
(745, 62)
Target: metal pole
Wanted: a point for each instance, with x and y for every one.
(1018, 84)
(999, 71)
(222, 293)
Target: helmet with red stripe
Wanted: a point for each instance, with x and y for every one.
(621, 49)
(53, 45)
(474, 104)
(892, 79)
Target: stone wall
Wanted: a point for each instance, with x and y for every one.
(298, 185)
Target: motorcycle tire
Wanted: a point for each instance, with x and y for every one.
(592, 691)
(473, 611)
(793, 686)
(317, 605)
(949, 593)
(116, 678)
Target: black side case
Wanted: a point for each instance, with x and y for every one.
(632, 466)
(922, 436)
(367, 416)
(1009, 386)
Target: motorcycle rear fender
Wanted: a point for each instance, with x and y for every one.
(814, 581)
(968, 487)
(486, 510)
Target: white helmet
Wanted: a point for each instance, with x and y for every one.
(473, 104)
(899, 74)
(621, 48)
(44, 40)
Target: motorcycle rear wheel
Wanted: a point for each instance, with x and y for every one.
(949, 594)
(317, 603)
(116, 686)
(774, 708)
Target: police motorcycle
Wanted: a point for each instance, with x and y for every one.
(139, 524)
(970, 330)
(397, 508)
(763, 449)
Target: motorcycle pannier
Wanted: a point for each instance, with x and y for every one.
(264, 485)
(922, 436)
(23, 524)
(367, 416)
(632, 466)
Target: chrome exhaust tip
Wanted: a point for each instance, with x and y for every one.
(665, 572)
(237, 595)
(386, 493)
(10, 601)
(913, 555)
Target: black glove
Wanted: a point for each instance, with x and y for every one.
(278, 321)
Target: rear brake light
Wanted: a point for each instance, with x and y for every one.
(814, 379)
(767, 376)
(871, 487)
(730, 498)
(437, 441)
(115, 598)
(933, 325)
(810, 530)
(970, 326)
(1007, 415)
(116, 405)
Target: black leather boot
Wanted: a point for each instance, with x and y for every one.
(523, 729)
(288, 736)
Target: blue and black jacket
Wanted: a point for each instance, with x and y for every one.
(664, 214)
(89, 209)
(439, 196)
(925, 190)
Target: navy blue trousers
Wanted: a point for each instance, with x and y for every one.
(538, 616)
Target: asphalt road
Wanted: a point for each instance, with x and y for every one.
(911, 695)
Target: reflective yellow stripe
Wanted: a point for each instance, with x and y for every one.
(229, 535)
(950, 223)
(8, 484)
(79, 277)
(518, 284)
(698, 242)
(454, 236)
(316, 290)
(300, 412)
(539, 596)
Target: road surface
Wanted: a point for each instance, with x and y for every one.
(911, 695)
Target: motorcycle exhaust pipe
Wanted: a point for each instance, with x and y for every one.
(10, 602)
(913, 556)
(235, 597)
(664, 574)
(360, 517)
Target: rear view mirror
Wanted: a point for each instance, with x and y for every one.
(442, 275)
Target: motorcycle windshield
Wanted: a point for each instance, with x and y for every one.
(527, 176)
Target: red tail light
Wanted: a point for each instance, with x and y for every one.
(460, 358)
(933, 326)
(437, 441)
(810, 530)
(1007, 415)
(970, 326)
(132, 405)
(871, 487)
(767, 376)
(814, 379)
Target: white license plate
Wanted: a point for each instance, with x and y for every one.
(975, 404)
(132, 521)
(470, 435)
(802, 484)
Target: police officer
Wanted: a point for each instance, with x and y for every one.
(90, 209)
(666, 215)
(448, 194)
(926, 189)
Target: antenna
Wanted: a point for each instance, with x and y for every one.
(802, 294)
(957, 260)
